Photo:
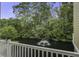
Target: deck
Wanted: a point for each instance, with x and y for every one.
(15, 49)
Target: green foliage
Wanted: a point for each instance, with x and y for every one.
(8, 32)
(37, 11)
(67, 11)
(32, 16)
(60, 30)
(35, 21)
(3, 22)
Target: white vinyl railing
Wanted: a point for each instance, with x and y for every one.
(25, 50)
(15, 49)
(76, 48)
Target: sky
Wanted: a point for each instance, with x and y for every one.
(7, 10)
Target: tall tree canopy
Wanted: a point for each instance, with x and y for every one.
(8, 32)
(34, 20)
(38, 11)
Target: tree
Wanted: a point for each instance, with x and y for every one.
(67, 11)
(65, 16)
(31, 15)
(34, 20)
(37, 12)
(59, 30)
(40, 9)
(3, 22)
(8, 32)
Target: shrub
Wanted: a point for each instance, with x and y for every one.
(8, 32)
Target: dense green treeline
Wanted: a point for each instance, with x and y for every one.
(34, 20)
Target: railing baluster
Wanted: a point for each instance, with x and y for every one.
(46, 53)
(12, 52)
(28, 51)
(51, 54)
(17, 50)
(25, 51)
(22, 51)
(31, 52)
(34, 52)
(56, 54)
(69, 55)
(38, 53)
(42, 53)
(62, 55)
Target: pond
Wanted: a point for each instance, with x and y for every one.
(68, 46)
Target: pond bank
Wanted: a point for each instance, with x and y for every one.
(68, 46)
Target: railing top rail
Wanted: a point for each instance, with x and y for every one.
(2, 41)
(73, 41)
(45, 48)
